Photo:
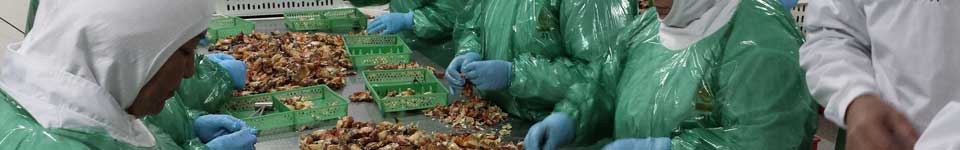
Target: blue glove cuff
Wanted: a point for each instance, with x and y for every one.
(407, 19)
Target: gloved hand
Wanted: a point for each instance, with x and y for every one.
(658, 143)
(240, 140)
(489, 74)
(235, 68)
(452, 74)
(391, 23)
(550, 133)
(208, 127)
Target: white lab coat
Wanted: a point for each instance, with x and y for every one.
(905, 51)
(86, 60)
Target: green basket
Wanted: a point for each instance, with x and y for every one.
(221, 27)
(372, 40)
(399, 76)
(334, 20)
(368, 55)
(438, 96)
(327, 104)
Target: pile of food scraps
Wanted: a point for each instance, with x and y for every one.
(281, 61)
(404, 93)
(352, 135)
(412, 64)
(362, 96)
(474, 114)
(297, 103)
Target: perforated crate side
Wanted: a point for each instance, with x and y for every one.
(273, 7)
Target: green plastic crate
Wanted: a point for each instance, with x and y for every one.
(399, 76)
(327, 104)
(370, 50)
(372, 40)
(221, 27)
(364, 57)
(438, 96)
(333, 20)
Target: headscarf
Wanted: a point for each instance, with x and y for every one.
(85, 61)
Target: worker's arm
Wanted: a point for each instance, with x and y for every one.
(436, 19)
(547, 78)
(176, 123)
(588, 29)
(760, 102)
(836, 56)
(207, 90)
(591, 106)
(199, 95)
(466, 31)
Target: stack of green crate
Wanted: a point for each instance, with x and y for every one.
(221, 27)
(430, 92)
(327, 104)
(335, 20)
(367, 51)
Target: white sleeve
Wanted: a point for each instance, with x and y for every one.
(837, 55)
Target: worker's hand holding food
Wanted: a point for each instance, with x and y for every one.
(391, 23)
(240, 140)
(209, 127)
(235, 68)
(489, 74)
(452, 74)
(873, 124)
(657, 143)
(552, 132)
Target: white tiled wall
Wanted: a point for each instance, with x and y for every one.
(14, 11)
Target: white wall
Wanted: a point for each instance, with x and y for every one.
(14, 11)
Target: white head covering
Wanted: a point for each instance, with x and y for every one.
(690, 21)
(685, 11)
(86, 60)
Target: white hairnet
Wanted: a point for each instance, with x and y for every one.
(685, 11)
(86, 60)
(692, 20)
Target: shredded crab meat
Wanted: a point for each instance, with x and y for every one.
(281, 61)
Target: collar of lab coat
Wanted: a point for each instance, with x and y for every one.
(699, 23)
(86, 61)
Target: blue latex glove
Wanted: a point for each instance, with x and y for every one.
(204, 42)
(209, 127)
(658, 143)
(235, 68)
(240, 140)
(489, 74)
(391, 23)
(788, 4)
(452, 74)
(550, 133)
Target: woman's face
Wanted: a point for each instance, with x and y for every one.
(663, 7)
(161, 87)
